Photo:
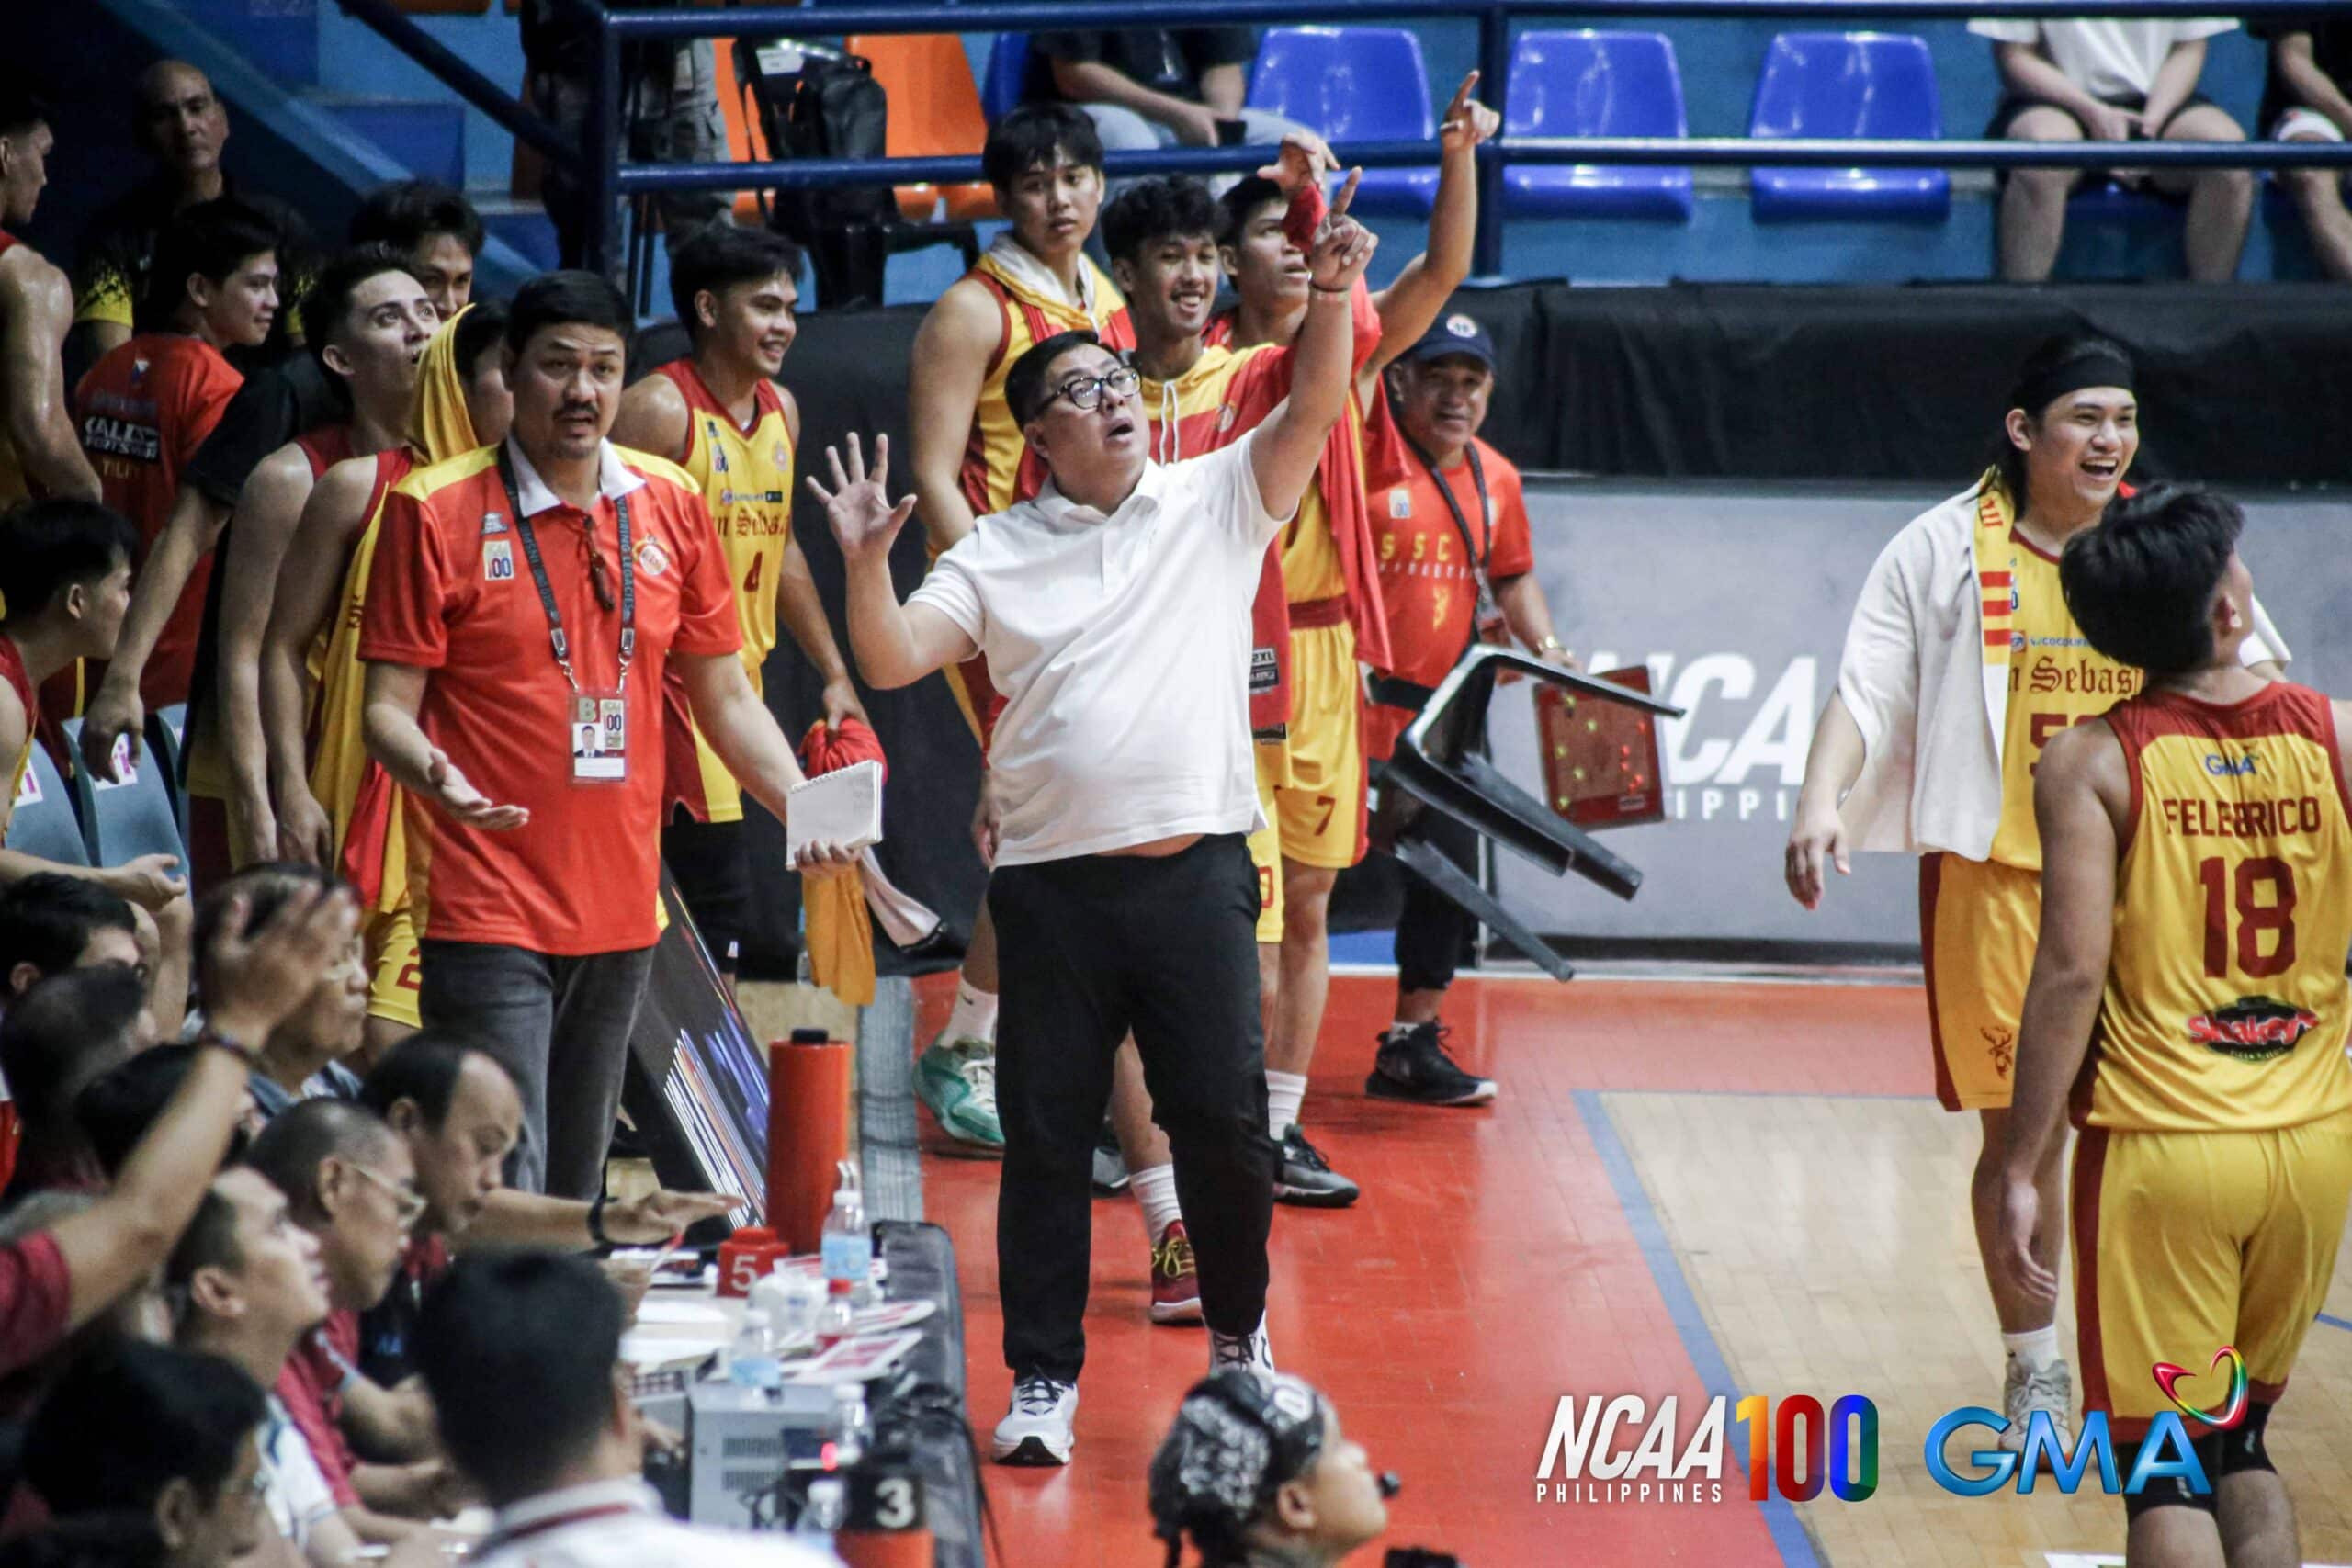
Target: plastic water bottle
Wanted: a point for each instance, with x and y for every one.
(752, 1360)
(837, 1319)
(847, 1246)
(850, 1430)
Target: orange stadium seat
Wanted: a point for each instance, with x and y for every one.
(934, 112)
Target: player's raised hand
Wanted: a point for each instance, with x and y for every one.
(859, 506)
(1304, 156)
(1467, 121)
(1343, 247)
(1817, 843)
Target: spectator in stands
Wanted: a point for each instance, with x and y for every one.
(65, 584)
(1255, 1469)
(440, 234)
(301, 1059)
(2104, 79)
(1146, 87)
(371, 323)
(1044, 164)
(669, 105)
(51, 922)
(248, 1285)
(117, 1107)
(719, 414)
(55, 1040)
(2308, 98)
(150, 404)
(331, 802)
(38, 452)
(1457, 563)
(1123, 772)
(181, 124)
(539, 1333)
(141, 1312)
(171, 1439)
(349, 1182)
(54, 1281)
(541, 926)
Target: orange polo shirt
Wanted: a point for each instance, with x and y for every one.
(451, 591)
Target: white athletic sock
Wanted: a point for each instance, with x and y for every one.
(2038, 1347)
(975, 1014)
(1398, 1030)
(1155, 1191)
(1283, 1091)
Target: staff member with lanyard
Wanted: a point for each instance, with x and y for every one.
(1114, 611)
(525, 603)
(1456, 565)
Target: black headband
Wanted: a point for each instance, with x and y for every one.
(2097, 368)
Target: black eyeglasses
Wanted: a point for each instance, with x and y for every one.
(1085, 392)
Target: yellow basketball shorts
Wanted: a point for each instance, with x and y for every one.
(2185, 1241)
(1321, 811)
(1266, 848)
(1978, 923)
(393, 974)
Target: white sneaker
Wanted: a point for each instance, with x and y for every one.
(1253, 1350)
(2050, 1391)
(1037, 1429)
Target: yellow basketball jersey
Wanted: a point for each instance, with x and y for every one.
(997, 468)
(745, 474)
(2226, 1004)
(339, 760)
(2056, 679)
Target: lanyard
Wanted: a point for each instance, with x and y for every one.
(546, 595)
(500, 1539)
(1477, 557)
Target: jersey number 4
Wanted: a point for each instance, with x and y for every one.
(2257, 915)
(751, 578)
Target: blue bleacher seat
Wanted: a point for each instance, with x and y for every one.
(45, 823)
(1007, 77)
(1354, 84)
(1849, 85)
(1595, 84)
(164, 728)
(132, 817)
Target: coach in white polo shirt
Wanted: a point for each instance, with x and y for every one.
(1114, 613)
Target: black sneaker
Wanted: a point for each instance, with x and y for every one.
(1307, 1178)
(1414, 1066)
(1111, 1176)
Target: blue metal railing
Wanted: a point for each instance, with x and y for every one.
(610, 178)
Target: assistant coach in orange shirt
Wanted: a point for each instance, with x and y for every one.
(525, 603)
(1456, 564)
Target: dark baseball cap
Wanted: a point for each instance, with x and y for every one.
(1456, 332)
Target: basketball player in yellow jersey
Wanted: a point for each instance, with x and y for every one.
(2189, 987)
(719, 414)
(1045, 162)
(1960, 662)
(335, 805)
(1331, 581)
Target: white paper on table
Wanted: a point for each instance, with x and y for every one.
(699, 1313)
(642, 1349)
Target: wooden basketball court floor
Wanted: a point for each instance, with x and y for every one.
(1688, 1186)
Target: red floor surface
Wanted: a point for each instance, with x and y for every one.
(1489, 1269)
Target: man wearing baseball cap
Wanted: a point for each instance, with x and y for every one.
(1456, 565)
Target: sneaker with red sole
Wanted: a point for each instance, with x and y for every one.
(1175, 1283)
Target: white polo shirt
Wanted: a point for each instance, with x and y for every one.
(1122, 646)
(619, 1524)
(2107, 57)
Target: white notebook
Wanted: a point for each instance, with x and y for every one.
(844, 807)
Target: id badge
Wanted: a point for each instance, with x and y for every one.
(599, 737)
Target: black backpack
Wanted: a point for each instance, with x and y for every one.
(819, 102)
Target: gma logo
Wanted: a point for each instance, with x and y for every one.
(2164, 1453)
